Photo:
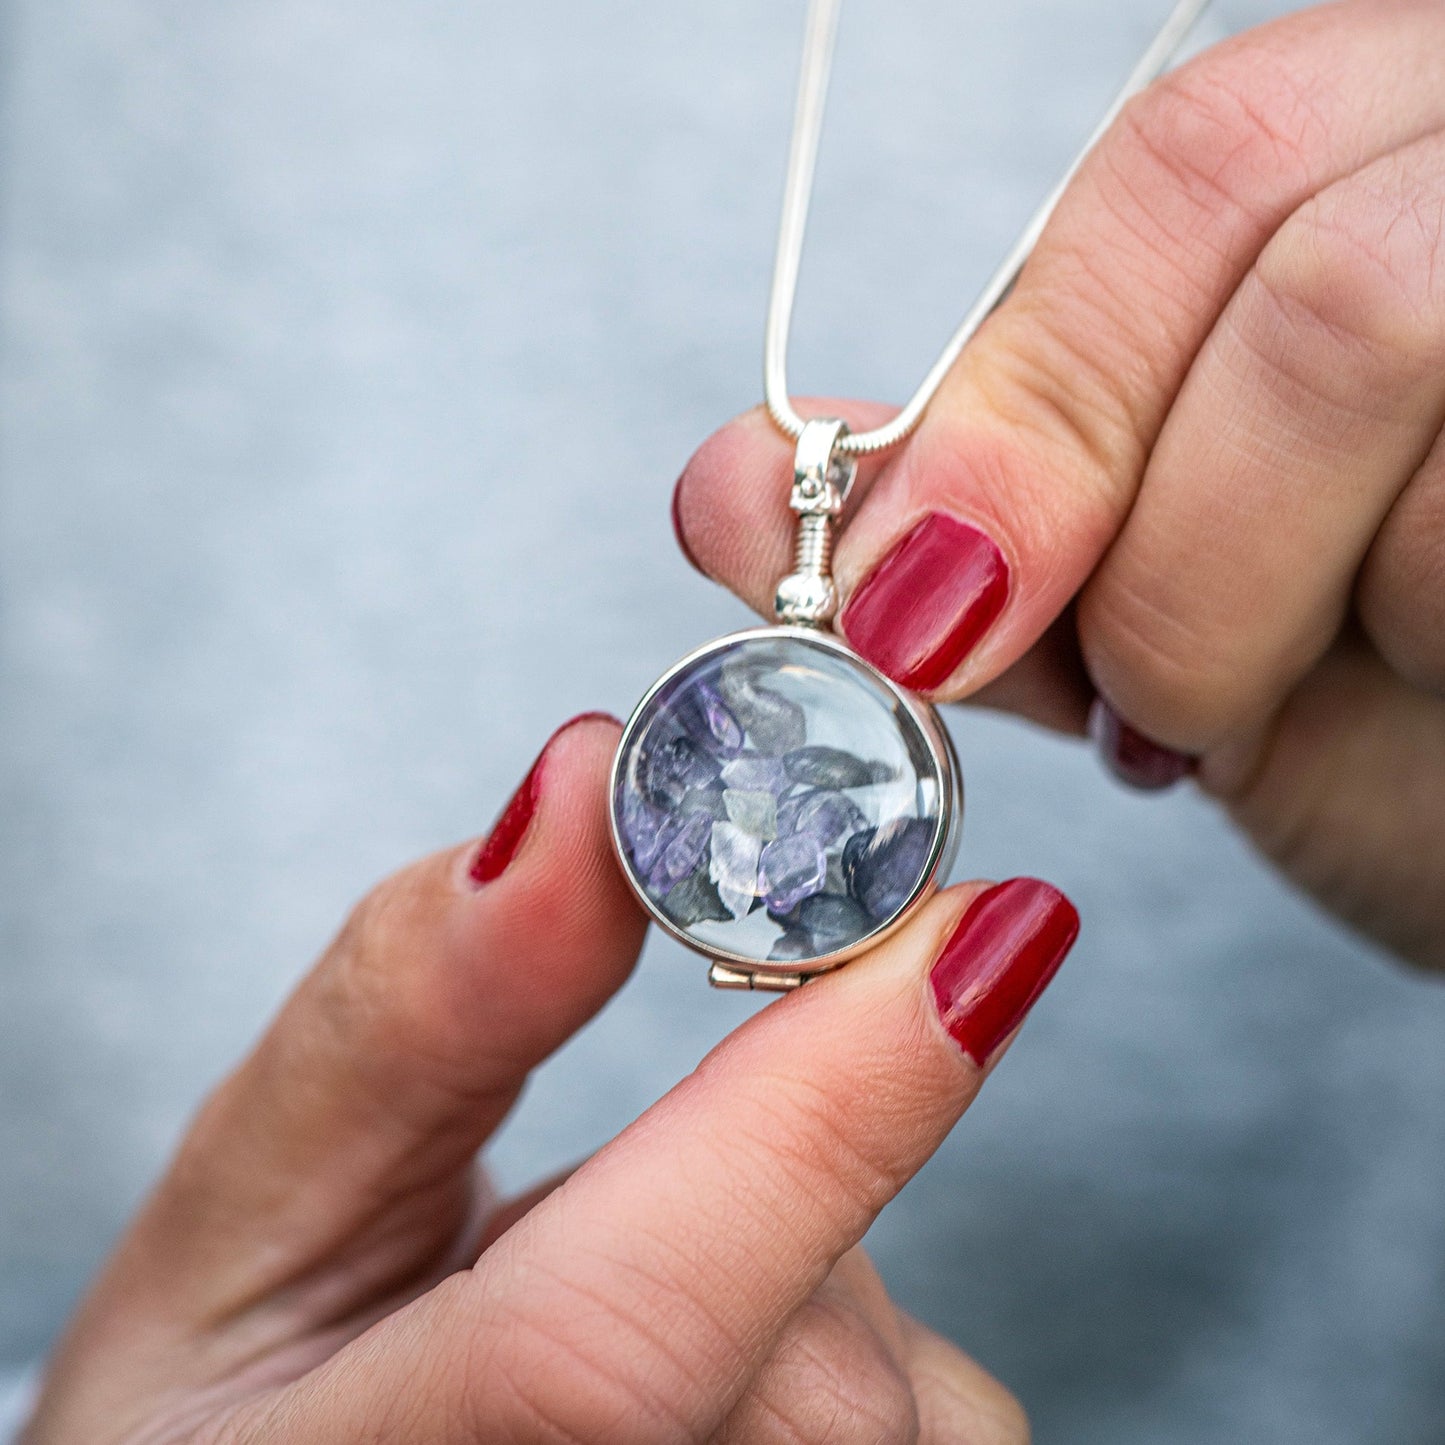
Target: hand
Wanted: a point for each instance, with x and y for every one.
(1194, 465)
(323, 1264)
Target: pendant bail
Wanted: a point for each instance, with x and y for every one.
(823, 476)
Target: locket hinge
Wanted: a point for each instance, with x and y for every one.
(720, 976)
(822, 478)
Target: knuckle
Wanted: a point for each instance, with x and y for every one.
(1204, 153)
(1359, 269)
(378, 993)
(957, 1399)
(359, 999)
(1052, 387)
(1228, 132)
(377, 924)
(1156, 659)
(867, 1400)
(832, 1381)
(1401, 593)
(582, 1375)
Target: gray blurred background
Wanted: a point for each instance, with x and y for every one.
(350, 351)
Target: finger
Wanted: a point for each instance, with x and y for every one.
(856, 1273)
(1347, 796)
(1048, 685)
(972, 541)
(957, 1399)
(666, 1268)
(851, 1366)
(835, 1373)
(352, 1124)
(731, 515)
(1315, 399)
(512, 1211)
(748, 541)
(1401, 594)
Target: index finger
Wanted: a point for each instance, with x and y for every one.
(637, 1300)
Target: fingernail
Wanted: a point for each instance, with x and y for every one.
(1136, 761)
(998, 960)
(502, 843)
(677, 527)
(927, 604)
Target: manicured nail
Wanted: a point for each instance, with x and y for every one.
(998, 960)
(511, 827)
(677, 527)
(1136, 761)
(927, 604)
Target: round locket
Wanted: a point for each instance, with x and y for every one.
(780, 805)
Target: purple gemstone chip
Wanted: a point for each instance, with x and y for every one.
(674, 766)
(884, 865)
(707, 721)
(683, 853)
(830, 817)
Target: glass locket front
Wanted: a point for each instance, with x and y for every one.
(779, 805)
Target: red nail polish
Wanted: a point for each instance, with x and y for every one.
(677, 527)
(511, 827)
(1133, 759)
(998, 960)
(927, 604)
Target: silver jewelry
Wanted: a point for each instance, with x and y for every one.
(778, 804)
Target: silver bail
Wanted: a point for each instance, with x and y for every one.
(822, 479)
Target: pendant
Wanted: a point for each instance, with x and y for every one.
(778, 804)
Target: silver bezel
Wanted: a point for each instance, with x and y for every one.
(946, 833)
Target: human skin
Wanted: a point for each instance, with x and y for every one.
(1191, 473)
(323, 1262)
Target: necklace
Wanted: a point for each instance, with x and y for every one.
(778, 804)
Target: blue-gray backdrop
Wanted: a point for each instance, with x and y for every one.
(349, 353)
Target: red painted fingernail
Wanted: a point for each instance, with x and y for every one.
(927, 604)
(677, 527)
(505, 839)
(1133, 759)
(998, 960)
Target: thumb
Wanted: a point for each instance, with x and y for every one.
(663, 1271)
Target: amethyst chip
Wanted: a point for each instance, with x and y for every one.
(834, 922)
(820, 767)
(773, 723)
(682, 853)
(795, 946)
(645, 830)
(710, 800)
(673, 768)
(734, 867)
(827, 816)
(884, 865)
(706, 719)
(695, 900)
(755, 813)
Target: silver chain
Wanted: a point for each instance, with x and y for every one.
(822, 26)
